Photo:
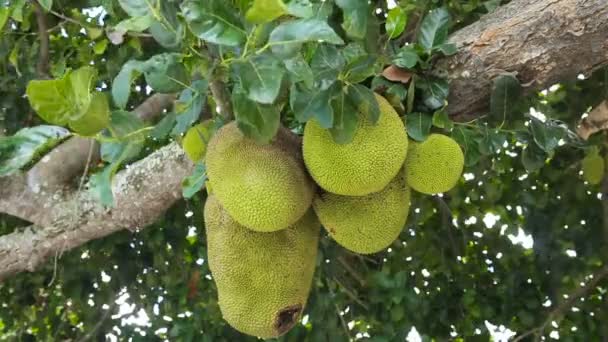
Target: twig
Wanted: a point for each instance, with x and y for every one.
(350, 294)
(347, 266)
(221, 95)
(89, 335)
(446, 222)
(42, 67)
(565, 306)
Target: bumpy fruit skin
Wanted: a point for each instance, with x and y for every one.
(366, 224)
(263, 279)
(263, 187)
(363, 166)
(434, 165)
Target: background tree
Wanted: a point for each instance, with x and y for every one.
(101, 231)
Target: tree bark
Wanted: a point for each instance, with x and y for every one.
(540, 41)
(142, 193)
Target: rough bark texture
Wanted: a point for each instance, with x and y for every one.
(541, 42)
(142, 193)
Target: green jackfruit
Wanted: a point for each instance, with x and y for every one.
(263, 279)
(363, 166)
(263, 187)
(593, 168)
(434, 165)
(366, 224)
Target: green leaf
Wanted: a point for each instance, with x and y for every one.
(287, 38)
(214, 22)
(100, 184)
(533, 158)
(434, 29)
(418, 125)
(135, 24)
(28, 144)
(164, 127)
(81, 83)
(303, 8)
(96, 117)
(46, 4)
(53, 100)
(137, 8)
(263, 11)
(189, 106)
(121, 86)
(364, 102)
(257, 121)
(100, 47)
(411, 91)
(169, 31)
(307, 104)
(547, 134)
(299, 70)
(466, 139)
(326, 64)
(165, 73)
(361, 69)
(441, 119)
(448, 49)
(506, 92)
(395, 22)
(356, 13)
(260, 77)
(4, 14)
(406, 58)
(127, 144)
(195, 182)
(345, 119)
(434, 91)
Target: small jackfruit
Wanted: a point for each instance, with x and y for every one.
(593, 168)
(263, 187)
(263, 279)
(366, 224)
(196, 139)
(363, 166)
(434, 165)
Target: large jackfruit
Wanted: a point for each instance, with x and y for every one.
(263, 187)
(363, 166)
(263, 279)
(434, 165)
(366, 224)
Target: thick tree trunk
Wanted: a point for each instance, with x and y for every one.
(540, 41)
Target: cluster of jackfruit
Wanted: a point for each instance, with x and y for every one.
(267, 203)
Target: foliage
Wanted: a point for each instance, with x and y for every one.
(455, 266)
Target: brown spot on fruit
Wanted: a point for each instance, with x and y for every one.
(287, 318)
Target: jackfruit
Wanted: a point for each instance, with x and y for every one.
(263, 279)
(196, 139)
(263, 187)
(593, 168)
(363, 166)
(366, 224)
(434, 165)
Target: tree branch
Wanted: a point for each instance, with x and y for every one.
(542, 42)
(535, 39)
(596, 121)
(142, 192)
(562, 309)
(67, 161)
(42, 68)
